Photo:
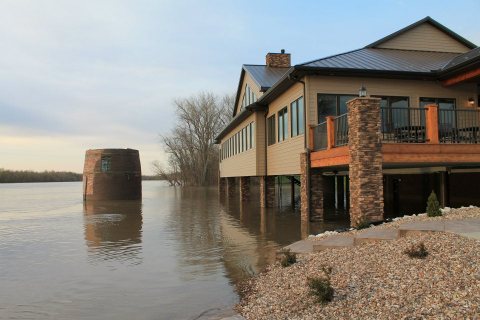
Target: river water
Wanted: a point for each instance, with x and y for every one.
(177, 254)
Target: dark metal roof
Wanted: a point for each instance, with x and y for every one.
(462, 59)
(431, 21)
(264, 76)
(385, 60)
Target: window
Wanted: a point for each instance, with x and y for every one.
(271, 130)
(393, 115)
(282, 124)
(249, 97)
(332, 105)
(106, 164)
(298, 123)
(446, 120)
(252, 134)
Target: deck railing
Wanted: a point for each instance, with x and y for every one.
(341, 130)
(459, 126)
(403, 125)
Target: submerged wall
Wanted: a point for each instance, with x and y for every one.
(112, 174)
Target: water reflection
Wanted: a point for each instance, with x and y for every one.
(113, 231)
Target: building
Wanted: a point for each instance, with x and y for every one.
(416, 130)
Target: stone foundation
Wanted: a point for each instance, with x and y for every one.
(317, 187)
(365, 169)
(304, 187)
(267, 191)
(245, 188)
(231, 186)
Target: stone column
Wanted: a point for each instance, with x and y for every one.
(222, 186)
(267, 191)
(245, 188)
(317, 187)
(231, 187)
(365, 148)
(305, 186)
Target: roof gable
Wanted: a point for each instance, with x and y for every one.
(425, 35)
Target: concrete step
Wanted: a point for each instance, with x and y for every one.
(375, 235)
(302, 246)
(333, 242)
(415, 228)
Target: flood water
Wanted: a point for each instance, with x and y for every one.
(177, 254)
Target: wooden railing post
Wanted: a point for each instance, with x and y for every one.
(330, 132)
(431, 123)
(311, 136)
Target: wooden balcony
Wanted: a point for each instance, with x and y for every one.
(409, 137)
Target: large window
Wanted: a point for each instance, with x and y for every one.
(446, 120)
(249, 97)
(332, 105)
(297, 111)
(271, 130)
(394, 111)
(283, 124)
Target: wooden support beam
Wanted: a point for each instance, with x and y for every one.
(330, 132)
(461, 77)
(431, 123)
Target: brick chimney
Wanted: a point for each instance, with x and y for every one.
(278, 60)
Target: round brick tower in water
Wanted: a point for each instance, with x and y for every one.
(112, 174)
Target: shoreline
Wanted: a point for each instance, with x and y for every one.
(377, 280)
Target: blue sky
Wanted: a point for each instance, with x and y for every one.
(76, 75)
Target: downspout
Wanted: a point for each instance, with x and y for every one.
(307, 150)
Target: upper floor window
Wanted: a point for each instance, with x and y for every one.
(106, 164)
(249, 97)
(332, 105)
(394, 117)
(271, 130)
(283, 124)
(446, 120)
(298, 120)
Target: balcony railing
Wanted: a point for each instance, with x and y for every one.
(458, 126)
(403, 125)
(341, 130)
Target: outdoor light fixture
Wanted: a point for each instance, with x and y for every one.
(362, 92)
(471, 101)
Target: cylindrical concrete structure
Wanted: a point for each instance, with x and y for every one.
(112, 174)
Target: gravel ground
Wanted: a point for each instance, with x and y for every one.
(376, 281)
(448, 214)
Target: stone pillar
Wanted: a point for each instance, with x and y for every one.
(231, 187)
(305, 186)
(222, 186)
(365, 148)
(317, 186)
(267, 191)
(245, 188)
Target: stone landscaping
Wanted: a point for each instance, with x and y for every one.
(373, 277)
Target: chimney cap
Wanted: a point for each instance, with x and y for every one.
(282, 51)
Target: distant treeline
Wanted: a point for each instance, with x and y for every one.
(11, 176)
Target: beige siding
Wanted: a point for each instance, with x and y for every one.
(243, 163)
(253, 86)
(414, 89)
(425, 37)
(283, 158)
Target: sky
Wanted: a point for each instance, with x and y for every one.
(78, 75)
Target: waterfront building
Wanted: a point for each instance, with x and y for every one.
(372, 131)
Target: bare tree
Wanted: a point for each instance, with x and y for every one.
(193, 157)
